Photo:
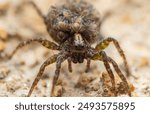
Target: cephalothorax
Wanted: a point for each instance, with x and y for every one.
(75, 26)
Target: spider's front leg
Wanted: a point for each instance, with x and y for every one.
(105, 43)
(103, 57)
(120, 74)
(62, 57)
(45, 43)
(40, 74)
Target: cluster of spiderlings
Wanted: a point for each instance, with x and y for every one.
(75, 17)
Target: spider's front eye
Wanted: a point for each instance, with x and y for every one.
(62, 36)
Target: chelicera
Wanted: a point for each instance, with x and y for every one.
(75, 26)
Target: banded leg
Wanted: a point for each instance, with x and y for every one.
(105, 43)
(106, 16)
(120, 74)
(88, 65)
(45, 43)
(103, 57)
(37, 10)
(30, 2)
(69, 65)
(59, 61)
(39, 75)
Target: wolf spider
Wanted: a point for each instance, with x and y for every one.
(75, 26)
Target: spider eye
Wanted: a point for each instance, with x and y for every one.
(62, 36)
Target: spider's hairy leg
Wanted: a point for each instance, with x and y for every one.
(45, 43)
(37, 10)
(62, 57)
(88, 65)
(106, 16)
(103, 57)
(120, 74)
(49, 61)
(69, 65)
(30, 2)
(105, 43)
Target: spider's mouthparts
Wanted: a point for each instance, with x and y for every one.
(79, 51)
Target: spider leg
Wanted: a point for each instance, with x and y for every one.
(120, 74)
(103, 57)
(69, 65)
(105, 43)
(59, 61)
(30, 2)
(45, 43)
(88, 65)
(49, 61)
(37, 10)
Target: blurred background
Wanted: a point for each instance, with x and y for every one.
(128, 22)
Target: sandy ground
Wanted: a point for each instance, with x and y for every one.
(128, 23)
